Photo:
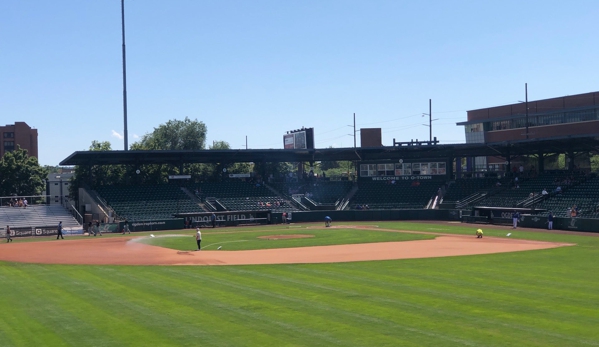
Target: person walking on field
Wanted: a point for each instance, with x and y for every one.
(126, 227)
(199, 238)
(8, 236)
(515, 217)
(98, 230)
(59, 231)
(550, 221)
(213, 219)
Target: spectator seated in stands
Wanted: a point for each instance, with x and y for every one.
(498, 184)
(358, 207)
(544, 192)
(531, 195)
(558, 190)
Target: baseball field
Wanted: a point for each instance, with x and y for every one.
(358, 284)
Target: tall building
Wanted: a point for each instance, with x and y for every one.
(18, 134)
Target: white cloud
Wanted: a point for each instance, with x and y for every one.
(117, 135)
(135, 136)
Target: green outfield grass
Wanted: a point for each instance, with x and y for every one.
(534, 298)
(234, 239)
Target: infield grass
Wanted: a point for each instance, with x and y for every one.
(533, 298)
(234, 239)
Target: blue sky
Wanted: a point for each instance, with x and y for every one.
(262, 67)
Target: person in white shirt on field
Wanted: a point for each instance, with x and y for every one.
(199, 238)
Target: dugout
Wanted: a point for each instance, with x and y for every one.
(497, 215)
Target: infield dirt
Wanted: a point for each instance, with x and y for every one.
(125, 251)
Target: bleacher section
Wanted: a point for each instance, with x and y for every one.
(36, 216)
(321, 192)
(150, 202)
(257, 203)
(465, 187)
(239, 195)
(511, 195)
(400, 195)
(585, 196)
(233, 189)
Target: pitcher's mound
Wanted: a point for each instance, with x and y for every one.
(285, 237)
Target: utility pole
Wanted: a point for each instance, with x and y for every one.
(354, 130)
(430, 120)
(125, 134)
(246, 142)
(526, 105)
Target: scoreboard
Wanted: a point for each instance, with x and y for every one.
(299, 139)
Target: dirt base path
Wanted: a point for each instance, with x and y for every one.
(125, 251)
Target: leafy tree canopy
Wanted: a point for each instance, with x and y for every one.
(21, 174)
(174, 135)
(95, 175)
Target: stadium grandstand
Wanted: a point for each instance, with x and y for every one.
(513, 159)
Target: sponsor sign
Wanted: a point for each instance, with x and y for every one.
(166, 224)
(179, 177)
(43, 231)
(288, 141)
(405, 178)
(242, 175)
(226, 218)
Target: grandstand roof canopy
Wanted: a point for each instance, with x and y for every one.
(332, 154)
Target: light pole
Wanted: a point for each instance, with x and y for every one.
(125, 133)
(526, 105)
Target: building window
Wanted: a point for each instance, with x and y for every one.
(9, 135)
(368, 170)
(9, 146)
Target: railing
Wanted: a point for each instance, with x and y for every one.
(470, 199)
(31, 200)
(73, 210)
(102, 204)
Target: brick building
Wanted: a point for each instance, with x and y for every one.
(18, 134)
(573, 116)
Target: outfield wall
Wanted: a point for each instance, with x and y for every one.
(370, 215)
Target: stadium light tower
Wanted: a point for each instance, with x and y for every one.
(125, 133)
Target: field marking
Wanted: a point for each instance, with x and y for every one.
(220, 243)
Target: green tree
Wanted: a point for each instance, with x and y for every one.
(96, 175)
(21, 174)
(595, 163)
(175, 135)
(215, 171)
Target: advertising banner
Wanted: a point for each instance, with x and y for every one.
(288, 141)
(43, 231)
